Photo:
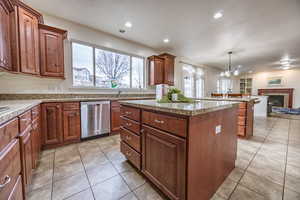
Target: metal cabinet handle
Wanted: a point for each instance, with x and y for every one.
(128, 113)
(159, 121)
(128, 138)
(7, 179)
(128, 154)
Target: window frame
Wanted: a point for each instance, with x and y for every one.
(195, 77)
(94, 47)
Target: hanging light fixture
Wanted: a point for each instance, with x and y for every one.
(229, 71)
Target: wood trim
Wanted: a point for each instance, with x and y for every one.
(289, 91)
(54, 29)
(7, 5)
(29, 9)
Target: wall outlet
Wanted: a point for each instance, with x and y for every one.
(218, 129)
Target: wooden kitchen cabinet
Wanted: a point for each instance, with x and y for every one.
(26, 157)
(161, 69)
(60, 123)
(71, 120)
(5, 52)
(52, 130)
(29, 42)
(156, 70)
(52, 51)
(163, 161)
(115, 112)
(168, 68)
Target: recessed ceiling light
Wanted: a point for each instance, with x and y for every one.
(218, 15)
(166, 40)
(128, 24)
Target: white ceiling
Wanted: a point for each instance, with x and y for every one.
(259, 32)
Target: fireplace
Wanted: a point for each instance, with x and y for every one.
(281, 97)
(276, 100)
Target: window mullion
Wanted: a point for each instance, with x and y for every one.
(130, 71)
(94, 65)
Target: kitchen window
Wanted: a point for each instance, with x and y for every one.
(193, 81)
(102, 68)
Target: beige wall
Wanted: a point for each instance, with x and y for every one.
(11, 83)
(291, 80)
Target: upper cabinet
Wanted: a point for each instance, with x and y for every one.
(168, 68)
(161, 69)
(25, 39)
(5, 52)
(36, 49)
(29, 42)
(52, 51)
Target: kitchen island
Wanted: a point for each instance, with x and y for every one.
(245, 115)
(185, 149)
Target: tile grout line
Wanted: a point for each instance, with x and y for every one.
(119, 173)
(286, 159)
(52, 178)
(238, 183)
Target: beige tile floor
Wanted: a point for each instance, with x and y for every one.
(267, 167)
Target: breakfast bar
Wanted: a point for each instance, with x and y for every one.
(185, 149)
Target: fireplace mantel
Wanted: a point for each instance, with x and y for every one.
(288, 91)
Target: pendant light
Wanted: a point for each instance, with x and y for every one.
(229, 72)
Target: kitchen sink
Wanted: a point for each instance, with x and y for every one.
(3, 108)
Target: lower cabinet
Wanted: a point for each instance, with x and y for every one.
(60, 123)
(163, 161)
(115, 111)
(10, 168)
(26, 157)
(35, 142)
(52, 124)
(71, 130)
(17, 192)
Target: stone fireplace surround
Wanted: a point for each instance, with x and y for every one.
(288, 94)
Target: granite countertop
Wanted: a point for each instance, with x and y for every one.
(17, 107)
(239, 99)
(187, 109)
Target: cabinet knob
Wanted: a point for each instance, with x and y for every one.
(159, 121)
(7, 179)
(128, 124)
(128, 138)
(128, 154)
(142, 130)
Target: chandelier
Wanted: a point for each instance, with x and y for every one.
(229, 72)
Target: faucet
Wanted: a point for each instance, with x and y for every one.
(119, 93)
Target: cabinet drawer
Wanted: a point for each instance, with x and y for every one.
(133, 156)
(35, 112)
(243, 105)
(17, 192)
(242, 112)
(241, 130)
(10, 167)
(8, 132)
(241, 120)
(131, 139)
(175, 125)
(130, 125)
(71, 106)
(25, 121)
(131, 113)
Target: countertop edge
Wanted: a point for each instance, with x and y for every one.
(180, 111)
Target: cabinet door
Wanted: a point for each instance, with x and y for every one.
(5, 53)
(52, 132)
(52, 53)
(35, 143)
(164, 161)
(156, 70)
(71, 120)
(115, 117)
(29, 42)
(168, 68)
(26, 151)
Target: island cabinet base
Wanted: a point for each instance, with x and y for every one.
(188, 162)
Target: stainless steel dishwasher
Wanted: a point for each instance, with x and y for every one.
(95, 118)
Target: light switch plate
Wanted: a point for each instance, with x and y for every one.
(218, 129)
